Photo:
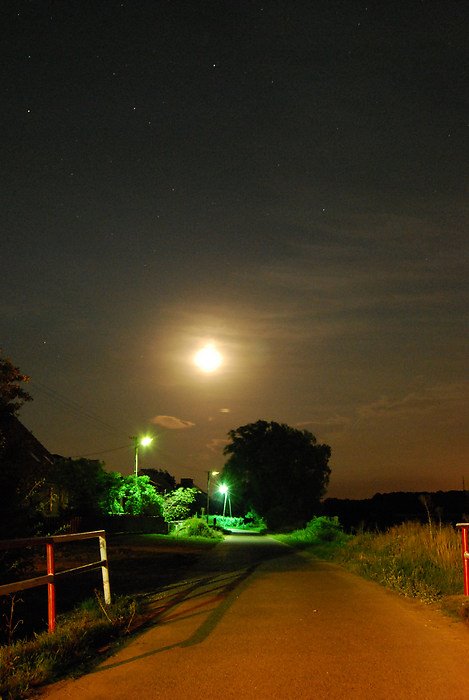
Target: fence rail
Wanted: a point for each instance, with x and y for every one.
(49, 579)
(465, 554)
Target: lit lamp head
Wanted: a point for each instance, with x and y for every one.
(145, 441)
(223, 489)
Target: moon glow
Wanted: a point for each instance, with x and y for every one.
(208, 359)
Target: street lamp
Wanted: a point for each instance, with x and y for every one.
(209, 476)
(224, 490)
(140, 441)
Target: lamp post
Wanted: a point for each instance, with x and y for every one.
(209, 476)
(140, 441)
(224, 490)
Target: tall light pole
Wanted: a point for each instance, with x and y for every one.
(224, 489)
(209, 476)
(140, 441)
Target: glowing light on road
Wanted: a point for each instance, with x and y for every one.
(208, 359)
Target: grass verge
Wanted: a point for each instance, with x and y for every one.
(418, 561)
(25, 665)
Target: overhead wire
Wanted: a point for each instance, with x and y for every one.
(75, 407)
(85, 414)
(102, 452)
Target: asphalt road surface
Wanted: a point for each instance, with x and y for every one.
(257, 620)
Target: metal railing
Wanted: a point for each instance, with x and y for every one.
(465, 554)
(49, 579)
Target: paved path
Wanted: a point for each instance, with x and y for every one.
(257, 620)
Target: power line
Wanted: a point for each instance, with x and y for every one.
(75, 408)
(86, 415)
(102, 452)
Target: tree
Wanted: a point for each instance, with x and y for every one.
(277, 470)
(177, 504)
(80, 485)
(131, 495)
(12, 395)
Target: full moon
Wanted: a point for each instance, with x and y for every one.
(208, 359)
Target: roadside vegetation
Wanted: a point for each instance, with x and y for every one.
(418, 561)
(79, 638)
(197, 528)
(322, 536)
(251, 521)
(415, 560)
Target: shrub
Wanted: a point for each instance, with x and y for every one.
(226, 521)
(197, 527)
(318, 531)
(177, 504)
(253, 519)
(249, 522)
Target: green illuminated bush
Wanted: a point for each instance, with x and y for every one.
(318, 531)
(246, 523)
(197, 527)
(132, 495)
(177, 503)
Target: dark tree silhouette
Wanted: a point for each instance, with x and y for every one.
(12, 395)
(162, 480)
(277, 470)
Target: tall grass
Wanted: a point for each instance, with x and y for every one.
(24, 665)
(419, 561)
(416, 560)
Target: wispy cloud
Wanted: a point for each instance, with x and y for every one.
(426, 400)
(330, 423)
(216, 445)
(337, 277)
(172, 423)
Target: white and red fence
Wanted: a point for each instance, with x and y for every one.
(52, 575)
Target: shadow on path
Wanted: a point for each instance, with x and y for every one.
(231, 566)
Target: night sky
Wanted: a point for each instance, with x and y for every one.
(285, 179)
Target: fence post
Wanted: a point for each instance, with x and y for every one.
(105, 570)
(51, 585)
(465, 554)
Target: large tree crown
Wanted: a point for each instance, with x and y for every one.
(278, 470)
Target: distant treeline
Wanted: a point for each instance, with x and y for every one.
(386, 509)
